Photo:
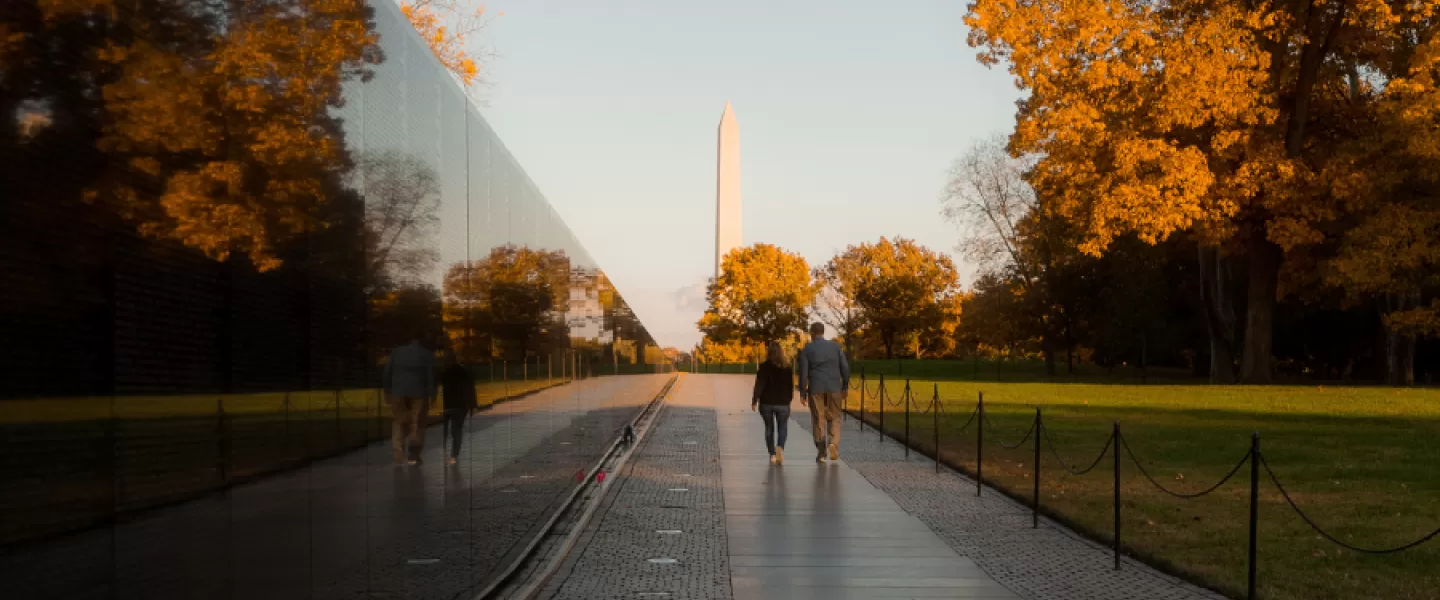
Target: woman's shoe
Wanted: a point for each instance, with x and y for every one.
(780, 456)
(772, 460)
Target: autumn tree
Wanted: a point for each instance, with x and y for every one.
(835, 304)
(507, 304)
(1157, 118)
(901, 288)
(450, 27)
(1009, 232)
(220, 134)
(992, 314)
(761, 295)
(402, 205)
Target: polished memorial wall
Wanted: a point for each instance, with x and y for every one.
(219, 217)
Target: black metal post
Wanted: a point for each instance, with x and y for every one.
(221, 447)
(907, 418)
(935, 425)
(1115, 448)
(1254, 509)
(882, 408)
(338, 442)
(285, 446)
(863, 387)
(1035, 504)
(979, 443)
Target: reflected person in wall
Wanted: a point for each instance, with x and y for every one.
(824, 384)
(774, 387)
(409, 382)
(458, 387)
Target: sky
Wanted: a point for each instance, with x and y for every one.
(850, 115)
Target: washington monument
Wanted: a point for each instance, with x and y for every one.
(727, 188)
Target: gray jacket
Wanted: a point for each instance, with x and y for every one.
(823, 368)
(410, 372)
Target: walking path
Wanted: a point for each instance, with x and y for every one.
(352, 526)
(874, 525)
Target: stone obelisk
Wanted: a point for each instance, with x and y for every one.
(727, 188)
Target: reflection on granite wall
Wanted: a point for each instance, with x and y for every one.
(219, 217)
(264, 195)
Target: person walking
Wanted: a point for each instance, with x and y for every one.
(458, 385)
(774, 388)
(824, 384)
(409, 384)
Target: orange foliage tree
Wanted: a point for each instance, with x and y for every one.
(506, 304)
(761, 296)
(219, 133)
(449, 27)
(1228, 119)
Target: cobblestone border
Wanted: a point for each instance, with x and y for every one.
(612, 559)
(1052, 562)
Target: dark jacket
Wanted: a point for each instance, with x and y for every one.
(773, 385)
(459, 389)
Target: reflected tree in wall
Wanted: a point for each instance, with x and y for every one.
(215, 118)
(402, 206)
(508, 305)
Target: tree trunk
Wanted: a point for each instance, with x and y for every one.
(1219, 314)
(1070, 359)
(1399, 347)
(1047, 346)
(888, 338)
(1255, 361)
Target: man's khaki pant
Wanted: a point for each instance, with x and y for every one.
(405, 423)
(825, 412)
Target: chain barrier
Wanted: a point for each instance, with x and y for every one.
(1126, 445)
(887, 396)
(1108, 441)
(1037, 429)
(973, 414)
(1304, 517)
(1016, 445)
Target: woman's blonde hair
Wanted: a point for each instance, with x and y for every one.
(776, 355)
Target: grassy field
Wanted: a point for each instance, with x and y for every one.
(1362, 462)
(69, 462)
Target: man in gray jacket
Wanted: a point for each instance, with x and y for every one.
(409, 383)
(824, 384)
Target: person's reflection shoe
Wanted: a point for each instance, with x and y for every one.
(780, 455)
(451, 461)
(834, 452)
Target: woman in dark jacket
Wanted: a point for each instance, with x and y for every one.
(774, 388)
(460, 401)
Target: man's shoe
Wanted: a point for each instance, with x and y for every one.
(780, 455)
(834, 452)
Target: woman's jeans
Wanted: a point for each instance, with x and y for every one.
(776, 416)
(455, 423)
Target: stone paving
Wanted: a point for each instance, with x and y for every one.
(668, 505)
(1051, 562)
(990, 532)
(351, 526)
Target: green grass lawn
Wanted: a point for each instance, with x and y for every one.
(1362, 462)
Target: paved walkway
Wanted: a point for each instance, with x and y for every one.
(352, 526)
(873, 525)
(700, 491)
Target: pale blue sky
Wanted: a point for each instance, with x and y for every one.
(850, 114)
